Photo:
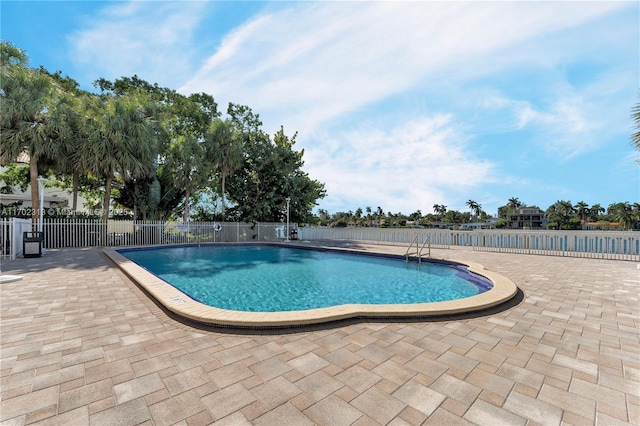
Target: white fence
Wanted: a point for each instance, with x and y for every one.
(591, 244)
(68, 233)
(11, 233)
(438, 238)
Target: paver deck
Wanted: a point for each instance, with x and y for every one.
(81, 344)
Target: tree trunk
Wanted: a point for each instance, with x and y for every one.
(185, 214)
(107, 199)
(223, 178)
(105, 210)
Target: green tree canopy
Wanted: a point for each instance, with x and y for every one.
(223, 149)
(272, 171)
(155, 148)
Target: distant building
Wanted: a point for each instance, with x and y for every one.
(601, 226)
(527, 219)
(52, 199)
(441, 225)
(487, 224)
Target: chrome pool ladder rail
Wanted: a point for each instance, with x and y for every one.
(427, 240)
(406, 254)
(419, 249)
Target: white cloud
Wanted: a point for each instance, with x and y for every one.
(313, 62)
(566, 127)
(316, 67)
(410, 166)
(578, 120)
(150, 39)
(336, 71)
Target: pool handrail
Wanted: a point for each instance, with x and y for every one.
(427, 240)
(406, 253)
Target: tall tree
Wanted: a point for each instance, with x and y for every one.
(185, 158)
(624, 214)
(26, 128)
(272, 172)
(180, 123)
(379, 215)
(582, 209)
(440, 210)
(358, 214)
(122, 143)
(595, 211)
(560, 212)
(69, 114)
(475, 208)
(224, 150)
(514, 204)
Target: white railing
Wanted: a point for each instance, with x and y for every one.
(68, 233)
(76, 233)
(11, 237)
(61, 233)
(439, 238)
(591, 244)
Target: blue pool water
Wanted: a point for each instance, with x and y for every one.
(263, 278)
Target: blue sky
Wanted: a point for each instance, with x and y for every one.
(401, 105)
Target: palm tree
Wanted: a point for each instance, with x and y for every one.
(186, 158)
(476, 209)
(595, 211)
(561, 212)
(122, 143)
(582, 209)
(26, 127)
(224, 149)
(472, 205)
(415, 216)
(11, 55)
(567, 207)
(440, 210)
(379, 213)
(358, 215)
(624, 214)
(514, 204)
(72, 158)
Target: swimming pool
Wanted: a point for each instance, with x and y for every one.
(266, 278)
(185, 305)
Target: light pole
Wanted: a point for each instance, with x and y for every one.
(41, 191)
(288, 200)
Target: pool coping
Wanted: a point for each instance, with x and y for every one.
(181, 304)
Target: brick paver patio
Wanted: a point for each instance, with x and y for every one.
(81, 344)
